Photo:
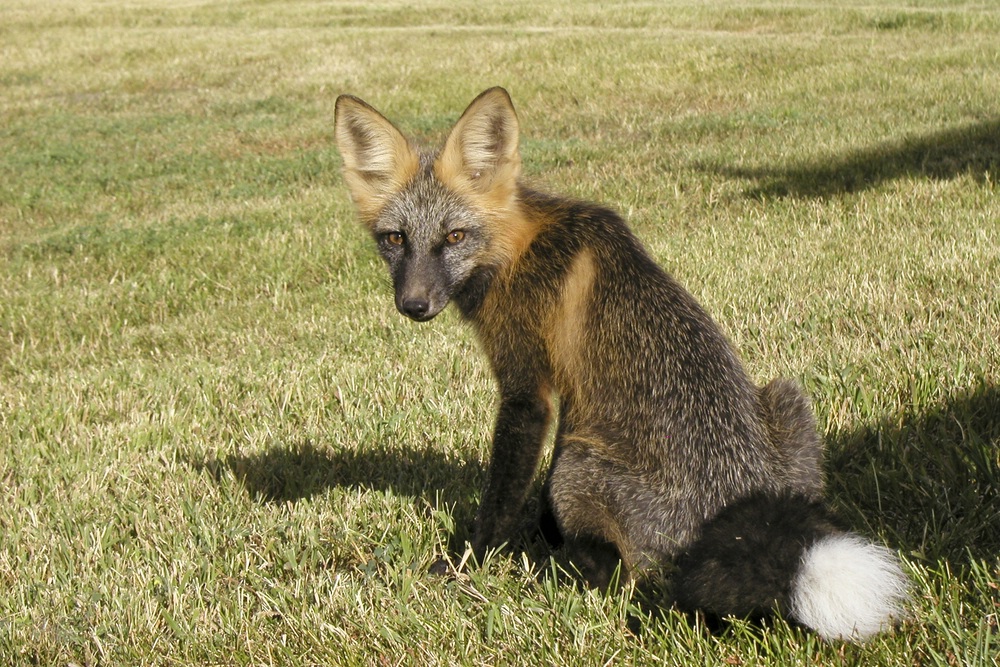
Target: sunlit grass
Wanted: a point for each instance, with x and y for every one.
(219, 443)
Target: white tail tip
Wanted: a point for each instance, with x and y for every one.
(848, 588)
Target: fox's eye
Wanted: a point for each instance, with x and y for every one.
(455, 236)
(395, 238)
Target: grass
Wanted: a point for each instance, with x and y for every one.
(219, 444)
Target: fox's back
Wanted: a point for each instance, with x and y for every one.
(639, 366)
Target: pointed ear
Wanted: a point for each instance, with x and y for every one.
(481, 152)
(378, 160)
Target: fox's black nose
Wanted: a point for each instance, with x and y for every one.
(415, 308)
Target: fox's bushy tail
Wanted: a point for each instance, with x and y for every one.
(786, 553)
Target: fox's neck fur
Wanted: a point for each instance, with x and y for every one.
(528, 213)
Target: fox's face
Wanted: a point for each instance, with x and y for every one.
(432, 241)
(439, 219)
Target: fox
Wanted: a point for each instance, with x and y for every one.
(665, 454)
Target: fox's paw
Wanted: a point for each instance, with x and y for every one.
(442, 568)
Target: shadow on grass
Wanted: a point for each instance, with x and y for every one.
(929, 481)
(973, 149)
(298, 471)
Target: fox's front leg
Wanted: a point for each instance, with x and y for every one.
(517, 444)
(520, 430)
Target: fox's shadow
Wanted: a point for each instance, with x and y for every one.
(929, 481)
(287, 473)
(971, 149)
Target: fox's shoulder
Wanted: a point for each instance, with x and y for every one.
(567, 226)
(569, 220)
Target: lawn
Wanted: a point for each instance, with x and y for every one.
(221, 444)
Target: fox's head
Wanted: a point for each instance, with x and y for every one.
(440, 220)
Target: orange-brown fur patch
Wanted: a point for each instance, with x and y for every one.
(566, 325)
(512, 227)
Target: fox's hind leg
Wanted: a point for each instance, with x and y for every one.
(578, 517)
(792, 426)
(609, 519)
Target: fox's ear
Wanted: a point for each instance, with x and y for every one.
(378, 160)
(481, 152)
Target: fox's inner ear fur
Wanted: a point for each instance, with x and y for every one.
(481, 152)
(378, 160)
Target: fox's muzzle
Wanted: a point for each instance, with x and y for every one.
(420, 292)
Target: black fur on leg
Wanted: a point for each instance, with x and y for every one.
(746, 558)
(548, 525)
(597, 561)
